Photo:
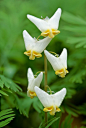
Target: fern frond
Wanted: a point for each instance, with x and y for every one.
(76, 25)
(8, 83)
(5, 117)
(70, 18)
(67, 122)
(3, 93)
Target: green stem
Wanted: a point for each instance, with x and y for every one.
(37, 73)
(45, 84)
(54, 53)
(38, 37)
(49, 89)
(0, 101)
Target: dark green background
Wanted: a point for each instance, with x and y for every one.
(14, 64)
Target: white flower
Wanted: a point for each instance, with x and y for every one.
(51, 102)
(59, 64)
(47, 26)
(33, 46)
(33, 82)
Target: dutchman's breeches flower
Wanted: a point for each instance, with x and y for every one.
(47, 26)
(59, 64)
(51, 102)
(33, 46)
(33, 82)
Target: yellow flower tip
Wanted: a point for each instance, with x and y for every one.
(28, 53)
(67, 71)
(54, 110)
(58, 109)
(51, 33)
(31, 97)
(55, 32)
(32, 54)
(36, 54)
(62, 75)
(32, 57)
(32, 94)
(61, 72)
(48, 109)
(45, 109)
(51, 110)
(52, 113)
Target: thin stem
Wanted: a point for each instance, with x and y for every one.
(49, 89)
(37, 73)
(38, 37)
(45, 84)
(54, 53)
(0, 100)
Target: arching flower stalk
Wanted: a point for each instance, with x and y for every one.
(33, 82)
(34, 48)
(47, 26)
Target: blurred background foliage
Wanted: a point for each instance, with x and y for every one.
(14, 64)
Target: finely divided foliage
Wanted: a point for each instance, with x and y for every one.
(9, 84)
(5, 117)
(14, 65)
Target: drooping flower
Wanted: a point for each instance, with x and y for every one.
(33, 82)
(47, 26)
(59, 64)
(51, 102)
(33, 46)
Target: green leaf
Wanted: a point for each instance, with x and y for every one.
(79, 41)
(3, 93)
(7, 121)
(1, 83)
(4, 112)
(80, 30)
(5, 117)
(55, 119)
(67, 122)
(82, 127)
(70, 18)
(23, 105)
(83, 43)
(9, 84)
(49, 123)
(74, 40)
(37, 105)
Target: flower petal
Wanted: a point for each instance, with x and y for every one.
(59, 96)
(42, 44)
(32, 44)
(28, 40)
(63, 57)
(54, 61)
(30, 75)
(31, 85)
(38, 79)
(33, 81)
(44, 97)
(28, 94)
(41, 24)
(54, 20)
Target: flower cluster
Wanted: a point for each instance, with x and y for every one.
(34, 48)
